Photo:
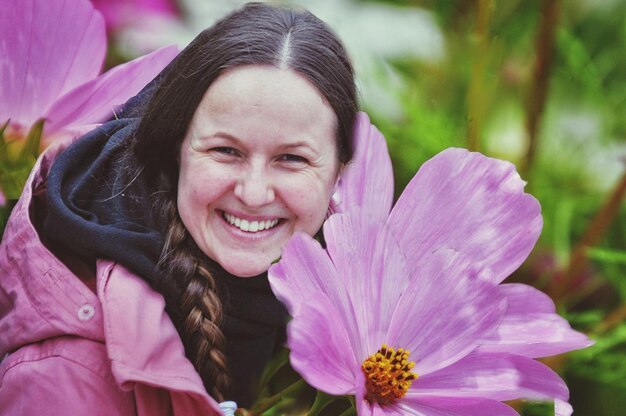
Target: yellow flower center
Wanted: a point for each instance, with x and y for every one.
(387, 375)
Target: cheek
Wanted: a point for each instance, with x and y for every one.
(200, 185)
(308, 201)
(189, 201)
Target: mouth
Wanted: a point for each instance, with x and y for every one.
(250, 226)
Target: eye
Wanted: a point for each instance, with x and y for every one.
(292, 158)
(224, 150)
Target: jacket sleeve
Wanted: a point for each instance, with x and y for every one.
(36, 382)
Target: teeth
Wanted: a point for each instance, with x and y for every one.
(250, 226)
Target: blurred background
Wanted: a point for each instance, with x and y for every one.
(539, 83)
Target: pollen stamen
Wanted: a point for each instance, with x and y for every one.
(388, 375)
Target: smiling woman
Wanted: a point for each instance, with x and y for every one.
(264, 138)
(157, 228)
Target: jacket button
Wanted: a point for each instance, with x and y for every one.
(86, 312)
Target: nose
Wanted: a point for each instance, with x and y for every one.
(254, 188)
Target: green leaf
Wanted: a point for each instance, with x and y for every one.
(4, 153)
(603, 361)
(14, 171)
(606, 255)
(33, 139)
(538, 409)
(13, 175)
(2, 131)
(585, 319)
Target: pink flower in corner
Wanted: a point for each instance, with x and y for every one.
(414, 315)
(117, 13)
(52, 53)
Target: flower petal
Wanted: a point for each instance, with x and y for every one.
(444, 313)
(469, 203)
(120, 12)
(374, 409)
(97, 99)
(305, 269)
(531, 326)
(47, 48)
(448, 406)
(367, 181)
(320, 349)
(372, 267)
(494, 376)
(562, 408)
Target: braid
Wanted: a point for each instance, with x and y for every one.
(201, 307)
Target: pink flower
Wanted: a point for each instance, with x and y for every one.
(52, 52)
(469, 203)
(406, 311)
(367, 181)
(118, 13)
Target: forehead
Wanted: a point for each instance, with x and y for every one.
(259, 82)
(264, 101)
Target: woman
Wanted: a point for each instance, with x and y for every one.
(171, 214)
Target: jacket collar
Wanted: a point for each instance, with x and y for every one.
(142, 342)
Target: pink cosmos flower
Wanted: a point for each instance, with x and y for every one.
(52, 52)
(118, 13)
(468, 203)
(413, 316)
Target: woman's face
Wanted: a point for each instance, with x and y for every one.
(258, 163)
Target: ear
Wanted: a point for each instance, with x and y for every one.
(335, 203)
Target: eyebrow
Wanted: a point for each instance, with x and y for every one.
(221, 135)
(286, 146)
(300, 143)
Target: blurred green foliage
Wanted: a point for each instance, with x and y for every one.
(581, 150)
(17, 158)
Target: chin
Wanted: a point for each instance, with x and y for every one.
(244, 272)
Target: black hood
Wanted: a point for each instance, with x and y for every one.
(96, 211)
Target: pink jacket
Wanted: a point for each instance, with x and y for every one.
(66, 350)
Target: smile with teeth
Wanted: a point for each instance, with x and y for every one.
(250, 226)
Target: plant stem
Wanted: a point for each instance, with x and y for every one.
(269, 402)
(321, 401)
(351, 411)
(538, 92)
(611, 320)
(591, 237)
(476, 98)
